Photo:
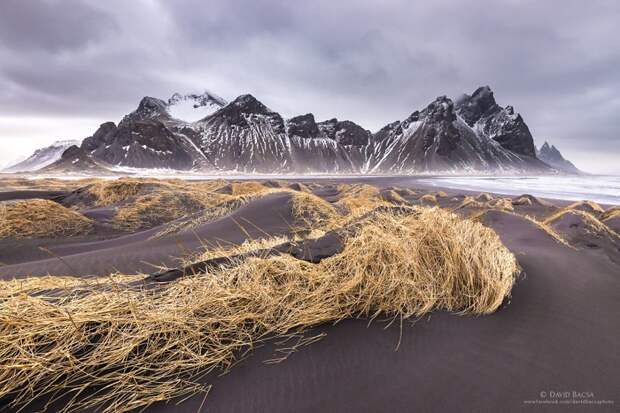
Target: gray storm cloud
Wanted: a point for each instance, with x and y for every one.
(369, 61)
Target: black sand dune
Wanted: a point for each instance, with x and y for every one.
(270, 215)
(559, 333)
(29, 194)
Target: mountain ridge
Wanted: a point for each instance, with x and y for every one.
(471, 134)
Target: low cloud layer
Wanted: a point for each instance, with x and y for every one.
(72, 63)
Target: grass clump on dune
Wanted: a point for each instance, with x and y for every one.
(142, 345)
(39, 218)
(312, 212)
(157, 208)
(113, 191)
(357, 199)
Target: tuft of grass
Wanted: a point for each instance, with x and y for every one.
(610, 213)
(504, 204)
(357, 199)
(139, 345)
(39, 218)
(113, 191)
(428, 198)
(312, 212)
(159, 207)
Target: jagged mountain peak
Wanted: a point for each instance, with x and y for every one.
(481, 112)
(249, 104)
(303, 126)
(481, 102)
(552, 156)
(442, 108)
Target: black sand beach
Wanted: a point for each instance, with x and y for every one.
(552, 347)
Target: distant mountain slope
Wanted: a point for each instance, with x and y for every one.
(472, 135)
(552, 156)
(42, 157)
(75, 160)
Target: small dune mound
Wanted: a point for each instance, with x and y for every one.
(154, 209)
(428, 199)
(111, 192)
(574, 219)
(610, 213)
(312, 212)
(529, 200)
(39, 218)
(391, 196)
(243, 188)
(357, 199)
(122, 349)
(299, 187)
(504, 204)
(582, 229)
(484, 197)
(272, 183)
(613, 222)
(469, 203)
(587, 206)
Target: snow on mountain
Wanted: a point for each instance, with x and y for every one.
(42, 157)
(192, 107)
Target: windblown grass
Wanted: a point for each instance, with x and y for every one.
(156, 208)
(312, 212)
(610, 213)
(136, 346)
(113, 191)
(39, 218)
(357, 199)
(586, 206)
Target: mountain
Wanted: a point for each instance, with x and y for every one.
(470, 135)
(42, 157)
(150, 137)
(503, 125)
(552, 156)
(439, 139)
(76, 160)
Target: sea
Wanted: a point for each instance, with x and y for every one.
(604, 189)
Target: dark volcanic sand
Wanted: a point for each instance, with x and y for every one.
(559, 333)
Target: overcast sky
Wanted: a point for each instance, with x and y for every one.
(67, 65)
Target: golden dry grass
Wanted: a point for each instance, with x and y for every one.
(586, 206)
(39, 218)
(312, 212)
(610, 213)
(504, 204)
(469, 202)
(428, 199)
(155, 209)
(357, 199)
(139, 346)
